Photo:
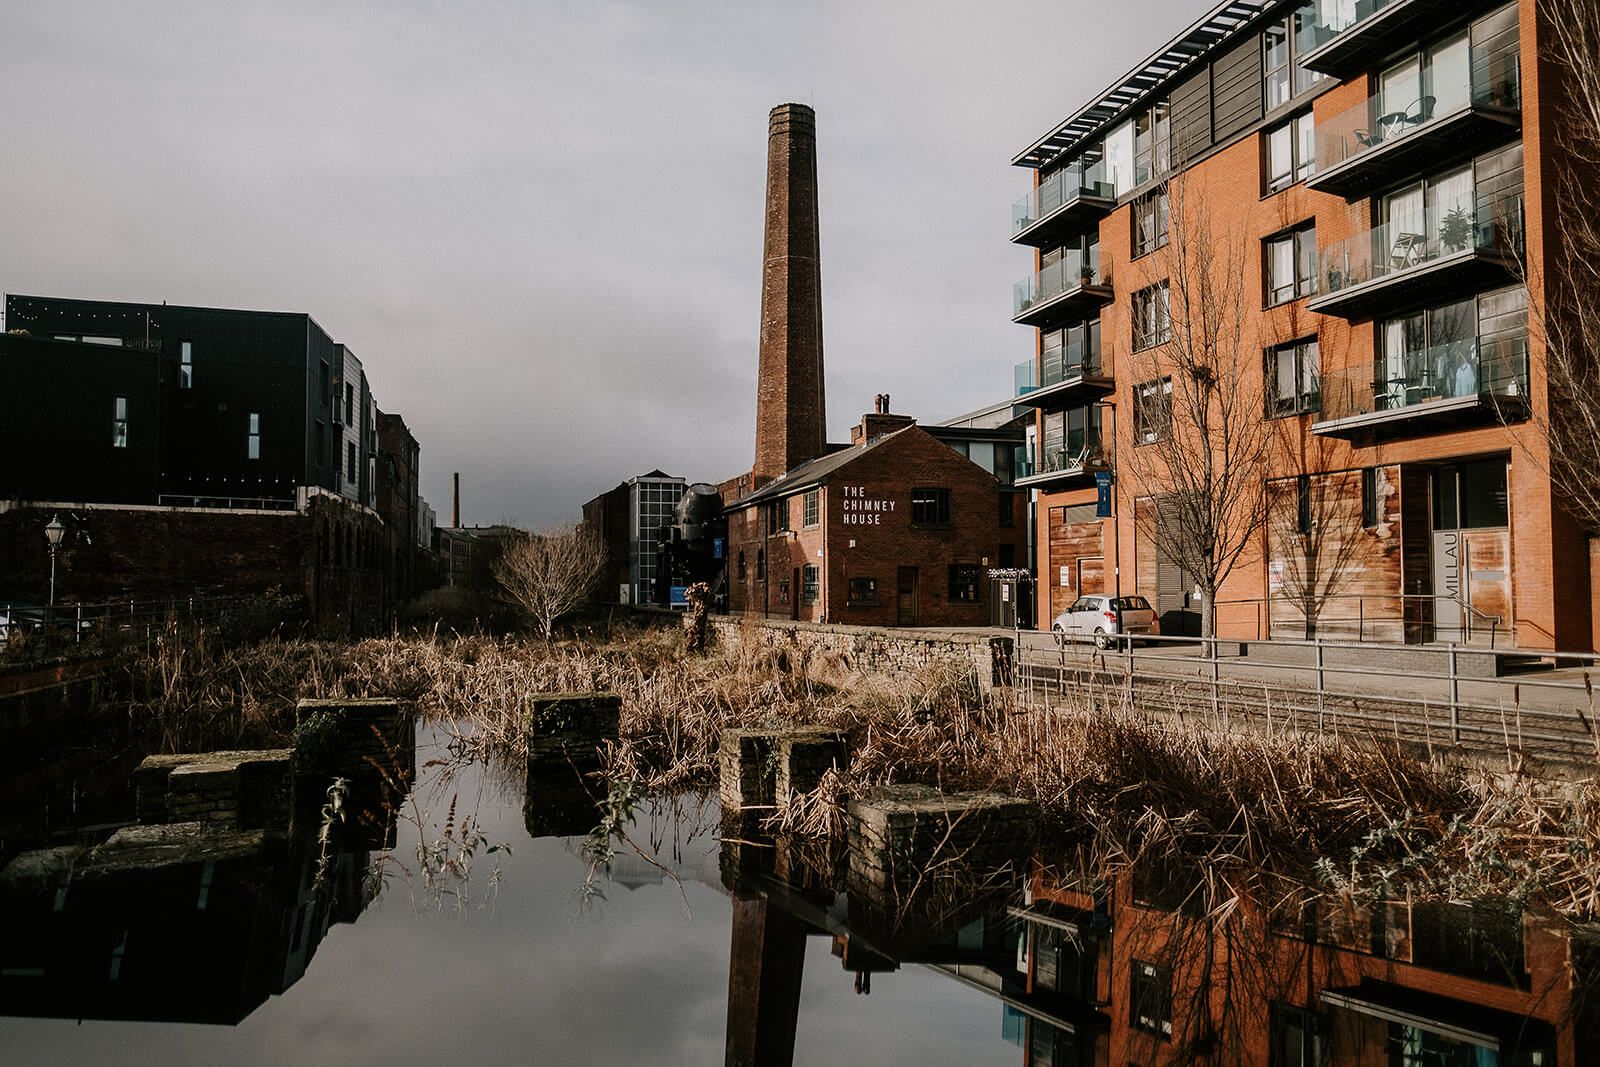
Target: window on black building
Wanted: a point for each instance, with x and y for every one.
(252, 446)
(185, 365)
(351, 461)
(327, 385)
(119, 422)
(930, 507)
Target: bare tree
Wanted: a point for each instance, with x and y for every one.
(548, 574)
(1202, 451)
(1319, 547)
(1564, 312)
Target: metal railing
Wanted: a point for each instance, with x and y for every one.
(39, 628)
(240, 503)
(1425, 695)
(1377, 615)
(1071, 183)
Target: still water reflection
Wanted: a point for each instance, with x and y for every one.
(699, 947)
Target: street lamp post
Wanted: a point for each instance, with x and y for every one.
(53, 532)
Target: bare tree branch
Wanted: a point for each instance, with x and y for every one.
(1207, 464)
(550, 573)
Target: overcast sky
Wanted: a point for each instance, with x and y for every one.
(539, 223)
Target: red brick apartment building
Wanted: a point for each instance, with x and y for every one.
(1385, 164)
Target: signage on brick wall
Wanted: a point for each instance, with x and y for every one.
(856, 508)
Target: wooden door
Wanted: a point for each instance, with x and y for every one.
(906, 597)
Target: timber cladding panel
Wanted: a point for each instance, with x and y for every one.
(1236, 89)
(1077, 556)
(1339, 577)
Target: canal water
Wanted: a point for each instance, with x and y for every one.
(507, 938)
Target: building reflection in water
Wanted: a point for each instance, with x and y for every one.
(196, 922)
(1134, 970)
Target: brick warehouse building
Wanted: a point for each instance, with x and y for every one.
(897, 528)
(1385, 164)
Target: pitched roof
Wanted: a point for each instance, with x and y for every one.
(814, 471)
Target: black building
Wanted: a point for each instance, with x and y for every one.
(159, 404)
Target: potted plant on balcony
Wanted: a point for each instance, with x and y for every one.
(1455, 229)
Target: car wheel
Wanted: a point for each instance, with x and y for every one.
(1102, 640)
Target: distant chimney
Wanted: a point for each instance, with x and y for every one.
(455, 500)
(791, 420)
(878, 422)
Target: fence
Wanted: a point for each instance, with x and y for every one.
(1453, 696)
(30, 631)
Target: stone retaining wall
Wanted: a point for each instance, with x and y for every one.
(876, 650)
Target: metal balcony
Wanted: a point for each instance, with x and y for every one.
(1346, 45)
(1069, 288)
(1475, 381)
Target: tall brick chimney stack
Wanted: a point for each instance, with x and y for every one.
(791, 421)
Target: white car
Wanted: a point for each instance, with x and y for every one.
(1106, 617)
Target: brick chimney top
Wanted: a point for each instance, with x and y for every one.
(791, 417)
(878, 422)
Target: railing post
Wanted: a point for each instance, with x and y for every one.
(1216, 696)
(1321, 685)
(1455, 698)
(77, 626)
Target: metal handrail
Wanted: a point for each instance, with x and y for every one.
(1470, 611)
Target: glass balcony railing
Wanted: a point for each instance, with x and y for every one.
(1323, 20)
(1080, 452)
(1025, 376)
(1485, 367)
(1070, 183)
(1492, 79)
(1074, 270)
(1073, 361)
(1022, 466)
(1483, 224)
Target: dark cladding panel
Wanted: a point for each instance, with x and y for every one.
(1191, 117)
(1236, 89)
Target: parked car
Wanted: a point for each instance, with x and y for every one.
(1104, 618)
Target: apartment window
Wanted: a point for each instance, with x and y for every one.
(1294, 378)
(1152, 316)
(1152, 221)
(252, 445)
(1152, 142)
(1369, 497)
(965, 579)
(783, 591)
(1277, 78)
(1008, 514)
(777, 516)
(1291, 265)
(761, 564)
(326, 381)
(350, 461)
(863, 591)
(349, 404)
(1302, 498)
(1291, 152)
(1072, 439)
(1298, 1037)
(185, 365)
(119, 422)
(1070, 351)
(1150, 999)
(810, 584)
(741, 565)
(812, 507)
(1152, 411)
(930, 507)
